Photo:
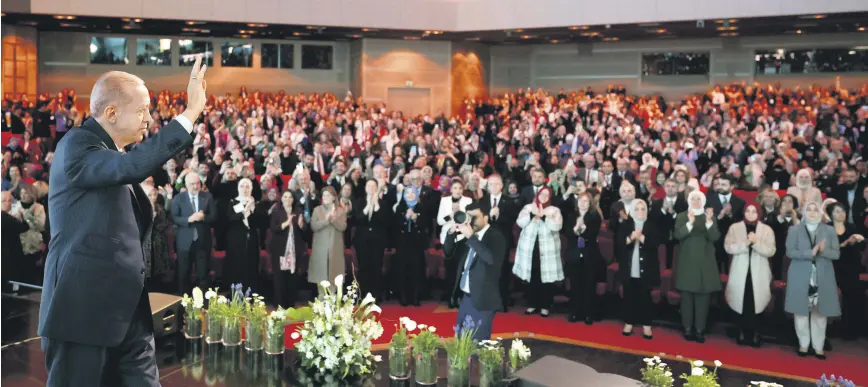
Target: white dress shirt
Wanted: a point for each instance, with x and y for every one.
(471, 255)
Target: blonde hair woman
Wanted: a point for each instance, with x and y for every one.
(328, 222)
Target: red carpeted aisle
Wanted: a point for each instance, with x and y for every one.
(771, 360)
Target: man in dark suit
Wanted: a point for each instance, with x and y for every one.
(482, 252)
(664, 210)
(193, 212)
(538, 180)
(305, 199)
(729, 210)
(502, 215)
(95, 316)
(849, 194)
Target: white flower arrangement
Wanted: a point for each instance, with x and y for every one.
(656, 373)
(700, 376)
(194, 305)
(336, 341)
(518, 353)
(765, 384)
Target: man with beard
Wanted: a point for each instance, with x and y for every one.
(729, 209)
(315, 177)
(849, 193)
(664, 210)
(538, 180)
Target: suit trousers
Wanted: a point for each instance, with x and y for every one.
(369, 255)
(637, 303)
(811, 330)
(132, 363)
(694, 310)
(583, 287)
(484, 319)
(196, 253)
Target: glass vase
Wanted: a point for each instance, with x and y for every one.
(512, 369)
(490, 376)
(193, 325)
(255, 339)
(213, 328)
(399, 362)
(275, 342)
(458, 373)
(426, 368)
(231, 331)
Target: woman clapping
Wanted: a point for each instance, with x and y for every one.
(639, 268)
(538, 254)
(748, 291)
(372, 217)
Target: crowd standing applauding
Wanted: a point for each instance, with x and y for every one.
(684, 197)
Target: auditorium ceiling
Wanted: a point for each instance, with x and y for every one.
(780, 25)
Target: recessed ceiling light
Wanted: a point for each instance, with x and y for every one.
(126, 19)
(554, 41)
(526, 36)
(257, 25)
(660, 31)
(296, 34)
(518, 30)
(729, 34)
(192, 23)
(60, 17)
(412, 38)
(474, 38)
(730, 28)
(575, 28)
(356, 36)
(137, 20)
(798, 31)
(611, 39)
(861, 29)
(244, 36)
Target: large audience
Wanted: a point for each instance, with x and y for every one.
(755, 190)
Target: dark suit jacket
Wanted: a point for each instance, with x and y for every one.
(649, 266)
(858, 206)
(94, 271)
(528, 195)
(666, 222)
(713, 201)
(182, 208)
(484, 271)
(508, 215)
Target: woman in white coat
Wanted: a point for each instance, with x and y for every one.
(748, 291)
(538, 253)
(449, 205)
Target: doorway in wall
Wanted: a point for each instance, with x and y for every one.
(409, 100)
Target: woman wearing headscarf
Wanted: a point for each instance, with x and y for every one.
(804, 189)
(328, 222)
(242, 237)
(847, 270)
(372, 217)
(696, 273)
(585, 265)
(812, 292)
(538, 253)
(411, 224)
(748, 290)
(286, 248)
(639, 268)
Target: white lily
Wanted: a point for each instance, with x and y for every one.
(339, 280)
(369, 298)
(375, 309)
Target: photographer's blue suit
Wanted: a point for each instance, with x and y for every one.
(95, 316)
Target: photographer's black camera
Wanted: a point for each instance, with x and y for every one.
(462, 217)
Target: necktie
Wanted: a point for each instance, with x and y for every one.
(195, 202)
(495, 203)
(465, 276)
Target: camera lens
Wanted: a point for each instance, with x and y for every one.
(460, 217)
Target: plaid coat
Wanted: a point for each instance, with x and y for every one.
(547, 233)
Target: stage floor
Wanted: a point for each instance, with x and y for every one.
(183, 363)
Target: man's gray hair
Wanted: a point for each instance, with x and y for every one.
(112, 88)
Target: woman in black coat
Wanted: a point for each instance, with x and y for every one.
(409, 260)
(286, 249)
(638, 268)
(371, 216)
(585, 265)
(242, 237)
(847, 270)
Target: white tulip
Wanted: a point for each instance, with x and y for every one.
(294, 335)
(698, 363)
(696, 372)
(410, 325)
(717, 363)
(378, 358)
(210, 294)
(325, 284)
(432, 329)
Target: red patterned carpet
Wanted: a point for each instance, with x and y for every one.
(773, 360)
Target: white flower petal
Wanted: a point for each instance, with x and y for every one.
(717, 363)
(698, 363)
(339, 280)
(696, 371)
(294, 335)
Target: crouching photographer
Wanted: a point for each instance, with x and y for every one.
(480, 251)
